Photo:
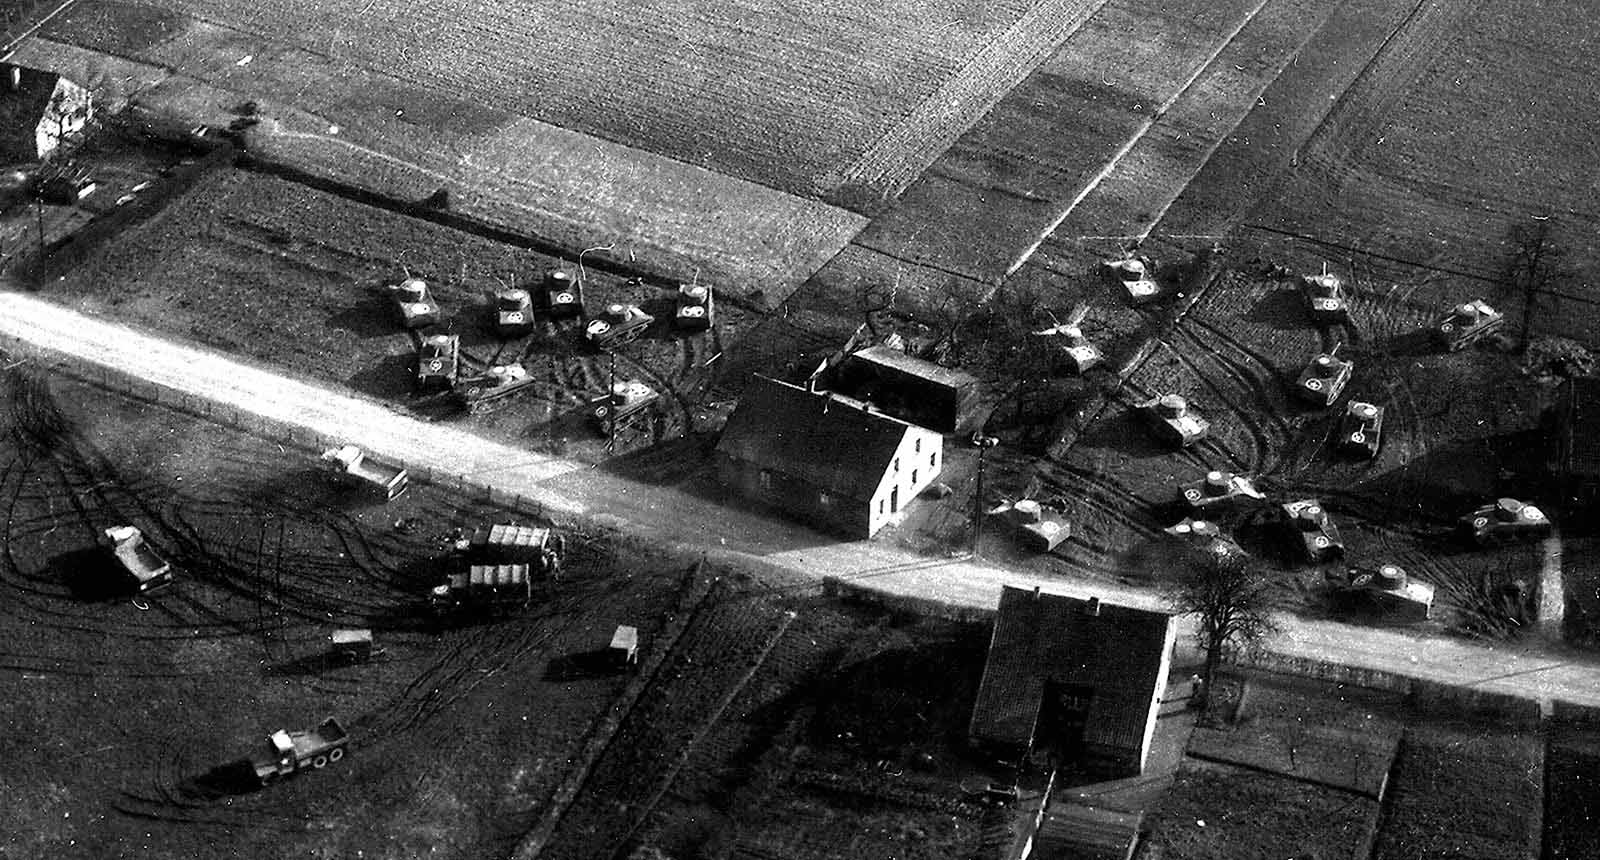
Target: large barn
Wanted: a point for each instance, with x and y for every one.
(1073, 680)
(829, 460)
(40, 113)
(918, 391)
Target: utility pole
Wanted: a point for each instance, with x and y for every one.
(611, 398)
(983, 444)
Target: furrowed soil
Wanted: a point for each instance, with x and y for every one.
(127, 718)
(275, 271)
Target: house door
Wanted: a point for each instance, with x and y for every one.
(1062, 717)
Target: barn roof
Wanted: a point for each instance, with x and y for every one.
(1070, 831)
(1579, 427)
(837, 444)
(22, 108)
(1038, 638)
(894, 359)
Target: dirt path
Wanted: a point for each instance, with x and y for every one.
(671, 515)
(1552, 597)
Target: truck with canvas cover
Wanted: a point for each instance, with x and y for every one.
(289, 752)
(504, 543)
(147, 569)
(356, 468)
(486, 586)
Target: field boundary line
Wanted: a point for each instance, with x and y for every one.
(1144, 129)
(914, 143)
(533, 842)
(682, 759)
(10, 47)
(1309, 780)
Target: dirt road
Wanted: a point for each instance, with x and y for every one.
(669, 514)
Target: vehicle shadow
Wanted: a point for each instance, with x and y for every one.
(233, 779)
(91, 575)
(583, 666)
(389, 379)
(373, 315)
(1282, 309)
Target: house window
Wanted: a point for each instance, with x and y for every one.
(933, 460)
(766, 480)
(881, 503)
(913, 477)
(919, 446)
(897, 464)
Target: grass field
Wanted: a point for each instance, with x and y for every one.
(1220, 812)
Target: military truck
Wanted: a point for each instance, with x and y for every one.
(1385, 588)
(696, 307)
(513, 313)
(143, 565)
(438, 362)
(291, 752)
(1466, 324)
(480, 393)
(416, 304)
(1361, 434)
(1041, 529)
(616, 326)
(485, 587)
(1131, 277)
(1323, 379)
(1315, 535)
(1504, 521)
(506, 543)
(626, 399)
(1173, 420)
(1218, 488)
(354, 467)
(562, 295)
(1325, 298)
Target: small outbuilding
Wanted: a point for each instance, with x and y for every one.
(1071, 680)
(1575, 454)
(836, 462)
(41, 113)
(920, 392)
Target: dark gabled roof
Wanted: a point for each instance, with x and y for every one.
(897, 360)
(1041, 637)
(1579, 427)
(834, 443)
(22, 108)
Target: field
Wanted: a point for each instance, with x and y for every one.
(273, 271)
(126, 718)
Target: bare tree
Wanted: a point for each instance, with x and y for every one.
(1233, 599)
(1536, 268)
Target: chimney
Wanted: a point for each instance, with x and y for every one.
(14, 77)
(1092, 607)
(1036, 592)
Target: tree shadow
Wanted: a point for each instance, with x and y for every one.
(373, 315)
(1281, 310)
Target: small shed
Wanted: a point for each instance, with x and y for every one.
(40, 113)
(1073, 679)
(624, 647)
(1575, 454)
(923, 393)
